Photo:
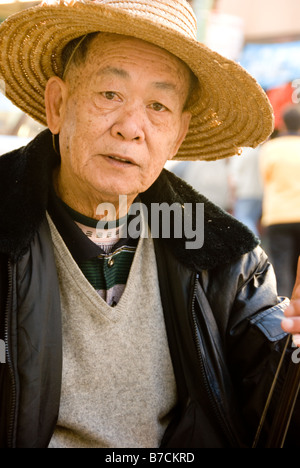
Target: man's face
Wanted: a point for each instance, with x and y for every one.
(120, 117)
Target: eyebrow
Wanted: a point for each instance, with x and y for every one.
(164, 85)
(113, 71)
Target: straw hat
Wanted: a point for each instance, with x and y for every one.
(231, 110)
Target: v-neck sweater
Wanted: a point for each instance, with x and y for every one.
(118, 387)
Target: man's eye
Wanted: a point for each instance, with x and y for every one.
(110, 95)
(157, 107)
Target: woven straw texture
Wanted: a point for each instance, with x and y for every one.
(231, 110)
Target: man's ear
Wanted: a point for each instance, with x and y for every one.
(184, 128)
(55, 100)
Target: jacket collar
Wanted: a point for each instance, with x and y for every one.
(25, 181)
(225, 238)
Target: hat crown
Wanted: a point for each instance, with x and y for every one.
(175, 14)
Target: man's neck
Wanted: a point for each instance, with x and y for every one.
(97, 207)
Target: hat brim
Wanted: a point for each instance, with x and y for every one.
(231, 112)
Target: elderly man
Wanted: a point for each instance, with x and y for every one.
(117, 337)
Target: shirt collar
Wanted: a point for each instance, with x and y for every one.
(79, 245)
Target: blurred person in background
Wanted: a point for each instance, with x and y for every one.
(280, 169)
(247, 188)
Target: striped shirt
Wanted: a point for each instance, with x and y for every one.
(99, 248)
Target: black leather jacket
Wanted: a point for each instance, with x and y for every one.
(221, 311)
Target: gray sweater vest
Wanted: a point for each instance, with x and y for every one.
(118, 383)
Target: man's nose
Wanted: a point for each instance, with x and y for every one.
(129, 125)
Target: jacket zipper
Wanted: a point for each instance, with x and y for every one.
(216, 408)
(8, 356)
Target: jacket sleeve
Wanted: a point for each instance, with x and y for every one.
(255, 340)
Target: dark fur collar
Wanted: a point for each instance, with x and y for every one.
(25, 179)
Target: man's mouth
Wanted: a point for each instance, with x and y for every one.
(118, 158)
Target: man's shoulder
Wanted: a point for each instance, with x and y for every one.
(25, 176)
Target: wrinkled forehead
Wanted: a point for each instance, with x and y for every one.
(100, 50)
(96, 46)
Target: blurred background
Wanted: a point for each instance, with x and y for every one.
(263, 36)
(16, 128)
